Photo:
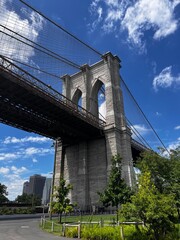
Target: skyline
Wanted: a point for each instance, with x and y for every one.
(145, 35)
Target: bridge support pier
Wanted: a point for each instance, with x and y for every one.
(87, 163)
(85, 167)
(58, 162)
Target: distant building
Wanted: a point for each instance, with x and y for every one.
(47, 191)
(26, 189)
(36, 185)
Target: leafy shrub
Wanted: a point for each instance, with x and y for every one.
(132, 232)
(10, 211)
(71, 232)
(5, 211)
(98, 233)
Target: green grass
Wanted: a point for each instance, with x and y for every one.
(87, 218)
(130, 231)
(57, 227)
(76, 219)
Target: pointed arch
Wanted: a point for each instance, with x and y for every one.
(77, 97)
(98, 99)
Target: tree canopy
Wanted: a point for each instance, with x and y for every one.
(165, 172)
(3, 193)
(61, 203)
(156, 210)
(29, 199)
(157, 199)
(116, 192)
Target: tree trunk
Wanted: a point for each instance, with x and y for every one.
(60, 217)
(117, 214)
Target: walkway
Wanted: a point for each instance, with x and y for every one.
(24, 229)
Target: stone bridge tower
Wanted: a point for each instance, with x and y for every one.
(86, 164)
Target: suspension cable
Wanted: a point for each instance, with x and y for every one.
(144, 115)
(137, 133)
(47, 52)
(63, 29)
(35, 68)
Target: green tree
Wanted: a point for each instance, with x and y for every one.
(116, 192)
(156, 210)
(61, 203)
(29, 199)
(165, 172)
(3, 193)
(174, 183)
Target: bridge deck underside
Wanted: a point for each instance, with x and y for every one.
(26, 107)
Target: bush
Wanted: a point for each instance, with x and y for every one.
(98, 233)
(95, 232)
(133, 232)
(71, 232)
(11, 211)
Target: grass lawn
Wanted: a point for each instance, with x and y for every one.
(88, 218)
(57, 228)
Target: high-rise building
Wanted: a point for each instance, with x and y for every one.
(47, 191)
(36, 185)
(26, 188)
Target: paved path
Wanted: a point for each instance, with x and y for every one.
(26, 229)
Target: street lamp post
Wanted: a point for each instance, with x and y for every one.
(51, 199)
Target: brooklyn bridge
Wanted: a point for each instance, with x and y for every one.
(50, 84)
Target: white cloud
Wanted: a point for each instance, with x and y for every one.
(14, 183)
(34, 160)
(19, 152)
(28, 24)
(145, 15)
(141, 129)
(36, 151)
(174, 144)
(8, 156)
(30, 139)
(136, 17)
(16, 170)
(154, 67)
(177, 127)
(158, 114)
(4, 170)
(23, 153)
(99, 11)
(165, 79)
(12, 179)
(13, 169)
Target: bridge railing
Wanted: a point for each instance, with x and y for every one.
(8, 66)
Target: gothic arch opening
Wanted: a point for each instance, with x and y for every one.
(98, 100)
(77, 97)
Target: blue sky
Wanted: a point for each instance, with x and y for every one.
(146, 37)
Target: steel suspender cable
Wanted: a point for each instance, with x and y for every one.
(57, 25)
(136, 132)
(47, 52)
(144, 116)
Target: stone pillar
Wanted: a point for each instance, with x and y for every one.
(86, 81)
(58, 162)
(76, 173)
(83, 176)
(66, 88)
(127, 162)
(118, 136)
